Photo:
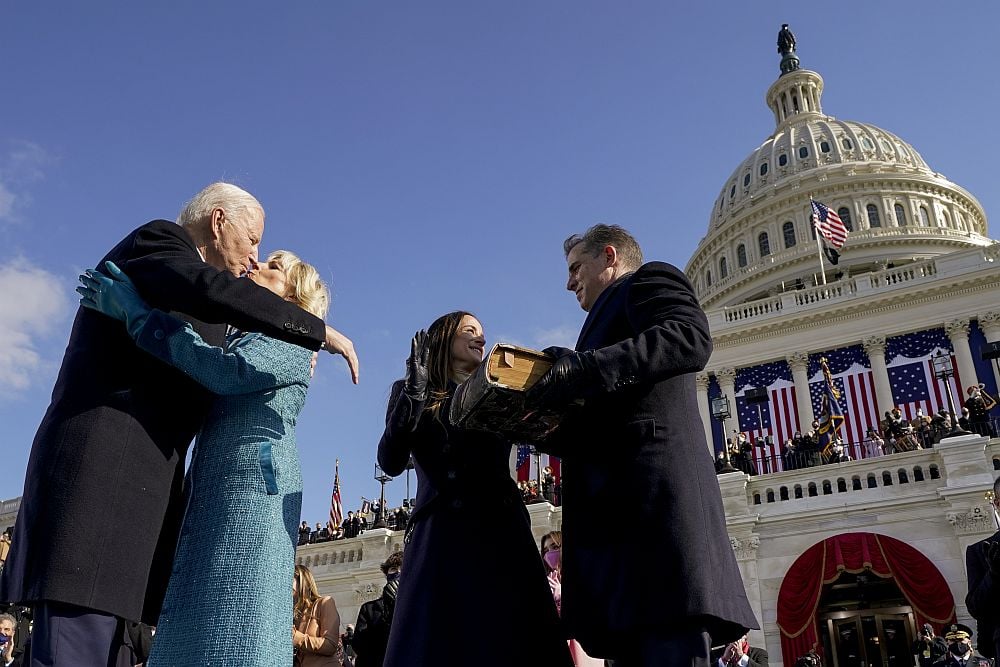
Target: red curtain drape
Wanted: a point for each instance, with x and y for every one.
(917, 578)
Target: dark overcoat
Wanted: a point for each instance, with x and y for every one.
(473, 589)
(983, 599)
(103, 501)
(639, 445)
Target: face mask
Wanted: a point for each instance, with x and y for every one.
(959, 648)
(392, 577)
(552, 558)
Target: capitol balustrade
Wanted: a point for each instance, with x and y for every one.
(901, 477)
(861, 287)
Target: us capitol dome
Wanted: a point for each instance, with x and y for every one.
(897, 209)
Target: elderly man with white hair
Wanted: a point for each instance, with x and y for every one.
(102, 506)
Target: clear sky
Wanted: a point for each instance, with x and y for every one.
(427, 156)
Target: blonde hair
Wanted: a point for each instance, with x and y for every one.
(305, 287)
(306, 593)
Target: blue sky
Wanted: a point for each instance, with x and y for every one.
(426, 156)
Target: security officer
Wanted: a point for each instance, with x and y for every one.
(960, 651)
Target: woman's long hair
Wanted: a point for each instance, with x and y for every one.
(306, 594)
(439, 337)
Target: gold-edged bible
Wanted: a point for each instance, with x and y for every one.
(492, 399)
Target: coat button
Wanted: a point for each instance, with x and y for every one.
(289, 326)
(452, 474)
(159, 335)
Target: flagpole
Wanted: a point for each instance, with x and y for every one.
(819, 246)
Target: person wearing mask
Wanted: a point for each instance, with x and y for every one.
(460, 595)
(551, 549)
(371, 632)
(315, 624)
(233, 568)
(928, 647)
(960, 651)
(8, 658)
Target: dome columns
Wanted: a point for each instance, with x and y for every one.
(958, 334)
(798, 363)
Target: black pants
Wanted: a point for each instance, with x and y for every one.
(71, 636)
(688, 648)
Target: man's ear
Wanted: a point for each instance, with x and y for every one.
(218, 219)
(610, 256)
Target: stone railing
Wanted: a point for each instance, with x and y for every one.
(864, 286)
(10, 507)
(854, 482)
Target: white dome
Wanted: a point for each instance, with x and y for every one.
(760, 238)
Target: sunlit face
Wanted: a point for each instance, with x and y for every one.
(588, 274)
(235, 241)
(271, 276)
(467, 345)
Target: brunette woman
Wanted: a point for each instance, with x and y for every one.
(474, 590)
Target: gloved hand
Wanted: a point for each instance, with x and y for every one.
(570, 378)
(114, 296)
(415, 384)
(993, 559)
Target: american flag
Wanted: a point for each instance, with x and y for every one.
(828, 224)
(336, 507)
(778, 417)
(525, 465)
(911, 372)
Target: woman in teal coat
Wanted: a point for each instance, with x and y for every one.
(229, 600)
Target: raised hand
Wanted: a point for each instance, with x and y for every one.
(415, 384)
(113, 295)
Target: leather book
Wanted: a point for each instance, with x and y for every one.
(492, 399)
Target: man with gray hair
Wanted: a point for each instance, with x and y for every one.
(664, 593)
(102, 505)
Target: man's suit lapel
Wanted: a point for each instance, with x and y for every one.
(595, 310)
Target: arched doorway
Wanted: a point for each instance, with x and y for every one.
(856, 599)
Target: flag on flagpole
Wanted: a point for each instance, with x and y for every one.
(831, 415)
(336, 507)
(829, 225)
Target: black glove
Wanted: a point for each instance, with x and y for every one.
(993, 559)
(570, 378)
(415, 384)
(558, 352)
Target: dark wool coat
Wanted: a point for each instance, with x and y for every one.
(639, 445)
(473, 589)
(102, 501)
(983, 599)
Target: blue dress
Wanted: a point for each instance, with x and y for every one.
(229, 600)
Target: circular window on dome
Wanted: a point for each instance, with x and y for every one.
(732, 191)
(824, 146)
(847, 144)
(804, 152)
(782, 160)
(886, 146)
(746, 180)
(902, 151)
(866, 142)
(763, 169)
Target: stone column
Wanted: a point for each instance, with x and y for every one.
(799, 363)
(874, 347)
(958, 333)
(704, 409)
(727, 382)
(990, 324)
